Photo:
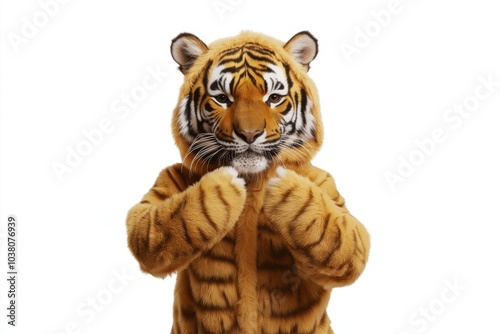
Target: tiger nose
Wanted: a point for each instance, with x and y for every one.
(249, 136)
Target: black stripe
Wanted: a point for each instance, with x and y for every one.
(187, 109)
(279, 252)
(231, 51)
(214, 85)
(288, 78)
(304, 207)
(220, 196)
(203, 235)
(177, 212)
(229, 240)
(286, 195)
(205, 73)
(188, 313)
(173, 179)
(310, 224)
(211, 279)
(322, 236)
(327, 177)
(186, 233)
(303, 106)
(287, 109)
(222, 134)
(208, 107)
(228, 305)
(295, 312)
(259, 48)
(178, 170)
(235, 189)
(219, 257)
(266, 228)
(167, 236)
(334, 249)
(158, 193)
(233, 69)
(259, 58)
(237, 59)
(196, 99)
(204, 209)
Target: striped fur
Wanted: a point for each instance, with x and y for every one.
(257, 248)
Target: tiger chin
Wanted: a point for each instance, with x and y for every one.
(257, 235)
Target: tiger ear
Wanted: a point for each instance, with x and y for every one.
(303, 47)
(185, 49)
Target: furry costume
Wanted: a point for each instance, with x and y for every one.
(257, 235)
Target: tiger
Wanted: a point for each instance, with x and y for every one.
(256, 235)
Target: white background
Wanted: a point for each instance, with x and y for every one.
(439, 225)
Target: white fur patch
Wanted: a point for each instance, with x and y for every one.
(280, 173)
(272, 78)
(182, 121)
(249, 163)
(234, 174)
(224, 79)
(303, 48)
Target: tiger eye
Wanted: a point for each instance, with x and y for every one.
(222, 98)
(274, 98)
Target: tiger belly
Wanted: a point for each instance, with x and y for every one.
(210, 296)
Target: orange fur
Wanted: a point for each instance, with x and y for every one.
(254, 252)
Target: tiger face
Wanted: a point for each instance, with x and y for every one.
(246, 102)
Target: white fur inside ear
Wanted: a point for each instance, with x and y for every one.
(192, 48)
(185, 49)
(303, 47)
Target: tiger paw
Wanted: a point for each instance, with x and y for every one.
(222, 196)
(287, 192)
(290, 199)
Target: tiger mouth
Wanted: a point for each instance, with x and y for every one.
(249, 162)
(248, 154)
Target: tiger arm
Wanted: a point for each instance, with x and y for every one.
(330, 246)
(174, 224)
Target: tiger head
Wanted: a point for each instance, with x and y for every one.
(246, 102)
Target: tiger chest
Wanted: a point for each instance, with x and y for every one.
(248, 280)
